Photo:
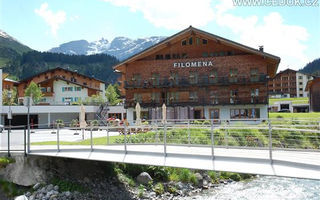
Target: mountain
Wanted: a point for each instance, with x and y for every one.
(312, 67)
(10, 49)
(120, 47)
(20, 61)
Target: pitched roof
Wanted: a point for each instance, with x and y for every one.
(311, 82)
(68, 81)
(60, 68)
(209, 35)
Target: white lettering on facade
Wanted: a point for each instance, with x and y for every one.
(193, 64)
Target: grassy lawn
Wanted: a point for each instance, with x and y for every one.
(301, 100)
(295, 115)
(96, 141)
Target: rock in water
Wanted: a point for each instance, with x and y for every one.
(22, 197)
(144, 178)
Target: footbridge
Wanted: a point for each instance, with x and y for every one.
(276, 147)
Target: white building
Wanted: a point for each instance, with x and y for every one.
(302, 80)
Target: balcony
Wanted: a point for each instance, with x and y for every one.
(204, 101)
(195, 81)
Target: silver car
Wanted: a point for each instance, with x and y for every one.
(1, 128)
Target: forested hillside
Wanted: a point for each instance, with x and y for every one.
(312, 67)
(33, 62)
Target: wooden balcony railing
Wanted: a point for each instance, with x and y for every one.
(194, 81)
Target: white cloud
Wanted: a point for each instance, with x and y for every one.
(278, 38)
(171, 14)
(54, 20)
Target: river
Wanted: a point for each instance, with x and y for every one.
(265, 188)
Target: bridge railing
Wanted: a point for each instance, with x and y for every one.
(255, 134)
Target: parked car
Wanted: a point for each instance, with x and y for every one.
(1, 128)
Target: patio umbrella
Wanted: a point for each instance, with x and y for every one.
(138, 118)
(82, 119)
(164, 113)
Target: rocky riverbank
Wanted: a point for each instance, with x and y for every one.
(67, 179)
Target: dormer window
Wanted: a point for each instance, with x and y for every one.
(167, 56)
(184, 42)
(190, 41)
(204, 41)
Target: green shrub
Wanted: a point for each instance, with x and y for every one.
(141, 191)
(193, 179)
(213, 175)
(59, 122)
(158, 188)
(184, 175)
(74, 123)
(4, 161)
(172, 189)
(65, 185)
(235, 177)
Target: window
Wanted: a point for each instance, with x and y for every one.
(254, 75)
(285, 78)
(43, 89)
(77, 88)
(137, 97)
(284, 84)
(300, 83)
(155, 79)
(46, 77)
(193, 77)
(193, 95)
(184, 55)
(67, 99)
(84, 83)
(76, 99)
(300, 89)
(167, 56)
(155, 97)
(184, 42)
(250, 113)
(221, 53)
(136, 79)
(204, 41)
(197, 41)
(213, 76)
(254, 95)
(43, 100)
(48, 89)
(190, 41)
(67, 89)
(233, 75)
(233, 96)
(174, 78)
(300, 77)
(73, 79)
(214, 97)
(172, 97)
(205, 54)
(174, 56)
(214, 113)
(301, 95)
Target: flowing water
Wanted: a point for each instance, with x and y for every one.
(265, 188)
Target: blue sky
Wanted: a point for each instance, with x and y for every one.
(291, 32)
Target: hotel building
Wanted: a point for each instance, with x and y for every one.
(198, 75)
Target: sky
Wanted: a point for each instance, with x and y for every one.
(289, 31)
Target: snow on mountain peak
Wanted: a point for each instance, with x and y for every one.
(120, 47)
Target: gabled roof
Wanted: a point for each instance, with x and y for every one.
(311, 82)
(60, 68)
(68, 81)
(191, 29)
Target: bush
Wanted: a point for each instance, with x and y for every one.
(235, 177)
(184, 175)
(74, 123)
(193, 179)
(59, 122)
(213, 175)
(4, 161)
(65, 185)
(158, 188)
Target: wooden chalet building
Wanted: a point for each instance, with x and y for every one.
(198, 75)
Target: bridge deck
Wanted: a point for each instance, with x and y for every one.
(299, 164)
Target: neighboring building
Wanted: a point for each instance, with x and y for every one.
(7, 83)
(198, 75)
(62, 87)
(313, 87)
(288, 83)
